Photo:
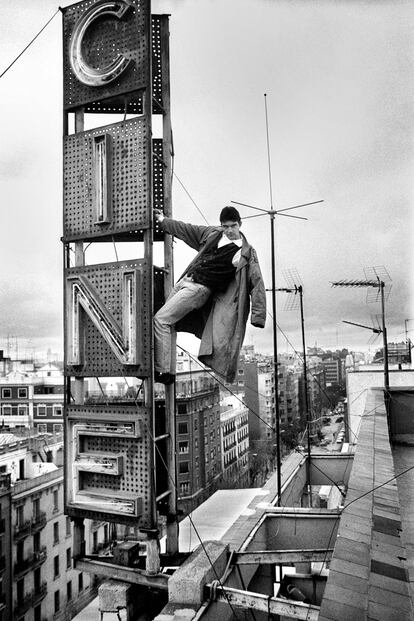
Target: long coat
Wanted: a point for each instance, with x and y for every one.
(221, 322)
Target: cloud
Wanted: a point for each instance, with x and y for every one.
(30, 307)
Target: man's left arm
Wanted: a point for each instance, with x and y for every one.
(257, 292)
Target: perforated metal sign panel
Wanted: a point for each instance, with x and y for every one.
(109, 463)
(106, 50)
(107, 320)
(106, 180)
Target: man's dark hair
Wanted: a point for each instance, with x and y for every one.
(229, 214)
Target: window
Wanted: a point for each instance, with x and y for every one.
(68, 527)
(57, 428)
(42, 428)
(57, 410)
(55, 500)
(22, 393)
(195, 424)
(80, 582)
(55, 533)
(240, 383)
(21, 469)
(57, 601)
(6, 393)
(182, 408)
(7, 410)
(41, 410)
(19, 515)
(241, 371)
(184, 487)
(183, 467)
(20, 589)
(182, 428)
(36, 542)
(22, 410)
(36, 580)
(20, 551)
(69, 590)
(37, 613)
(68, 558)
(56, 566)
(183, 447)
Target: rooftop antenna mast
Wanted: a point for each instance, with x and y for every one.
(272, 213)
(378, 280)
(407, 339)
(293, 301)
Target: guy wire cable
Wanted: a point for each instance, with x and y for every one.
(189, 516)
(190, 519)
(226, 387)
(30, 43)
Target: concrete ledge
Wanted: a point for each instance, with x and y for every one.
(186, 585)
(368, 578)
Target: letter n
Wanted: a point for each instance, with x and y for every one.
(123, 337)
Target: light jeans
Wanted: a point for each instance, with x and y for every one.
(185, 296)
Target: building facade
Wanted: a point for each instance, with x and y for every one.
(32, 400)
(198, 441)
(39, 582)
(234, 424)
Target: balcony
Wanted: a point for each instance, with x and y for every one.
(33, 561)
(22, 529)
(22, 605)
(39, 593)
(39, 521)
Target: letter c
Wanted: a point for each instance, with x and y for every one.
(86, 74)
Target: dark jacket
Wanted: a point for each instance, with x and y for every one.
(221, 323)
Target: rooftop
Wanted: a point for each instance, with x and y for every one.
(353, 562)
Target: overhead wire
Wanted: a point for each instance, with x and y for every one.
(191, 520)
(235, 395)
(190, 197)
(29, 44)
(212, 374)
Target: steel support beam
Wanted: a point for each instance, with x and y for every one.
(267, 557)
(125, 574)
(248, 600)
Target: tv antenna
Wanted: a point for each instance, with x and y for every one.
(376, 330)
(272, 213)
(378, 279)
(294, 301)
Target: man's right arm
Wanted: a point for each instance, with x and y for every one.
(191, 234)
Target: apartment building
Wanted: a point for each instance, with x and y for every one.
(32, 399)
(234, 427)
(199, 469)
(39, 582)
(5, 546)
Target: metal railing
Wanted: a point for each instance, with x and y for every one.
(31, 562)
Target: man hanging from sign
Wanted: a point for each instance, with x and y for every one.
(212, 298)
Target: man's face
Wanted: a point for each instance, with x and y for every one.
(231, 229)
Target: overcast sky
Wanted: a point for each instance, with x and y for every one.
(339, 83)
